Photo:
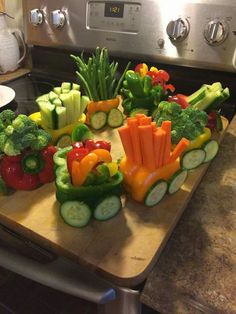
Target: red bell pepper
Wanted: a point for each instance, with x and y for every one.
(180, 99)
(29, 169)
(160, 77)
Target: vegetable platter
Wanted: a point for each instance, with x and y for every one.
(120, 249)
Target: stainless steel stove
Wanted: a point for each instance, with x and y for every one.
(195, 41)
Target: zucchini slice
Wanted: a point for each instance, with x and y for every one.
(107, 208)
(211, 148)
(193, 158)
(98, 120)
(75, 213)
(156, 193)
(177, 180)
(115, 118)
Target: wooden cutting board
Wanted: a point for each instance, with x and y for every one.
(2, 6)
(123, 249)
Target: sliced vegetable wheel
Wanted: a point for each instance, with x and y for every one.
(193, 158)
(115, 118)
(107, 208)
(75, 213)
(211, 148)
(156, 193)
(98, 120)
(64, 141)
(177, 180)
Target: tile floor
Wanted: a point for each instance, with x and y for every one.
(19, 295)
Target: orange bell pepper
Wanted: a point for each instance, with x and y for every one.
(102, 154)
(80, 170)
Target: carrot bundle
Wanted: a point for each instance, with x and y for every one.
(146, 144)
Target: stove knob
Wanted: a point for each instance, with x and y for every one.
(58, 18)
(216, 32)
(36, 17)
(178, 30)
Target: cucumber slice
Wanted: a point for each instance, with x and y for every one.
(57, 90)
(76, 95)
(64, 141)
(211, 148)
(84, 102)
(66, 85)
(61, 118)
(155, 193)
(107, 208)
(177, 181)
(76, 214)
(193, 158)
(67, 100)
(57, 102)
(138, 110)
(44, 97)
(48, 115)
(98, 120)
(52, 96)
(115, 118)
(75, 86)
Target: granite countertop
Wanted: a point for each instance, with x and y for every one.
(196, 273)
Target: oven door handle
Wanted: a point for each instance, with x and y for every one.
(62, 275)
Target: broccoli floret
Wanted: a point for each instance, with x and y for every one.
(9, 130)
(6, 117)
(20, 132)
(188, 123)
(43, 138)
(3, 139)
(28, 140)
(11, 149)
(23, 124)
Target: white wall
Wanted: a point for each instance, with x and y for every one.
(14, 8)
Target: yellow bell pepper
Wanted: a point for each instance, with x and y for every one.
(201, 139)
(56, 134)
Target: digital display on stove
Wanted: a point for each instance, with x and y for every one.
(114, 9)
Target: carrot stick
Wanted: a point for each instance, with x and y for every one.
(154, 126)
(147, 147)
(133, 125)
(166, 126)
(145, 120)
(179, 149)
(159, 139)
(125, 137)
(140, 115)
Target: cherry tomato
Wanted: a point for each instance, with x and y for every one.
(78, 144)
(90, 145)
(104, 145)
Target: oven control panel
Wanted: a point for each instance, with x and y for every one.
(199, 33)
(123, 17)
